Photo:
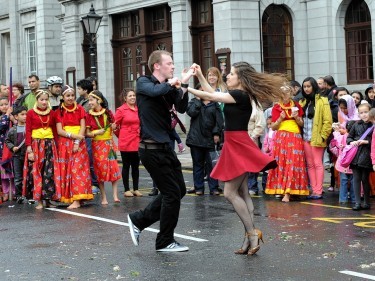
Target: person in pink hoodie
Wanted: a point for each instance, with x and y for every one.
(126, 117)
(346, 174)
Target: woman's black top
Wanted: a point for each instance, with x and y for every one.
(237, 115)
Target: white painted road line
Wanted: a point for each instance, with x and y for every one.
(122, 223)
(357, 274)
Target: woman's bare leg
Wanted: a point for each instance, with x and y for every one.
(102, 193)
(115, 191)
(76, 204)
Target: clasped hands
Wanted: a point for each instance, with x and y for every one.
(359, 142)
(186, 74)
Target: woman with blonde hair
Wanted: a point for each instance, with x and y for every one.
(215, 79)
(245, 85)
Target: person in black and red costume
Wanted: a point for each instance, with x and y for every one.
(245, 85)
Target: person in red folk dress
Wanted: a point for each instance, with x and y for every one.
(290, 177)
(41, 151)
(126, 117)
(100, 123)
(74, 162)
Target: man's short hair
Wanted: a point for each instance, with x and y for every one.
(155, 57)
(85, 84)
(18, 110)
(34, 75)
(329, 80)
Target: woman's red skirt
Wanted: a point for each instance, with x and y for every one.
(105, 160)
(291, 174)
(75, 177)
(41, 177)
(240, 155)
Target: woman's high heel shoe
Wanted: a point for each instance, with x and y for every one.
(259, 236)
(241, 251)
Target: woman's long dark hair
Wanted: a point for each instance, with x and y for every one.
(309, 111)
(261, 87)
(104, 104)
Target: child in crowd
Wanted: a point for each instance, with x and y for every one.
(347, 110)
(42, 152)
(267, 147)
(358, 97)
(361, 164)
(268, 138)
(346, 174)
(84, 88)
(173, 134)
(74, 161)
(15, 141)
(370, 95)
(99, 126)
(5, 165)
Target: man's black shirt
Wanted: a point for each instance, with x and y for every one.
(152, 108)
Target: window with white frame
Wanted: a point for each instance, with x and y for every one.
(31, 50)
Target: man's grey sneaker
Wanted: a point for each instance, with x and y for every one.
(174, 247)
(134, 232)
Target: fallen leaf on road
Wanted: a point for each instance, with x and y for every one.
(330, 255)
(116, 268)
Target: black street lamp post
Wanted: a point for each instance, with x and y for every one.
(91, 24)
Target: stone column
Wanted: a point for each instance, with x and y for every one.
(72, 38)
(181, 38)
(237, 27)
(105, 69)
(182, 49)
(48, 34)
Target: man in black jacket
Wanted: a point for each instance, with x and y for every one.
(155, 96)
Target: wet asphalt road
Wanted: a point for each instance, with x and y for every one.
(302, 241)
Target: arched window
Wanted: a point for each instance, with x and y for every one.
(358, 43)
(277, 35)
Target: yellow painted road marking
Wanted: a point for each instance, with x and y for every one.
(327, 206)
(366, 220)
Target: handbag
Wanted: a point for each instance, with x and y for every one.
(333, 147)
(349, 151)
(215, 155)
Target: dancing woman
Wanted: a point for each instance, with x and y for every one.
(245, 85)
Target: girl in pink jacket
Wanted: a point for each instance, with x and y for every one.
(346, 174)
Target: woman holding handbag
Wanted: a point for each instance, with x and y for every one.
(361, 164)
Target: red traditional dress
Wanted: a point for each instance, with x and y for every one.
(41, 177)
(75, 180)
(290, 176)
(103, 147)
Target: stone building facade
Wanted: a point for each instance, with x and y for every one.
(299, 37)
